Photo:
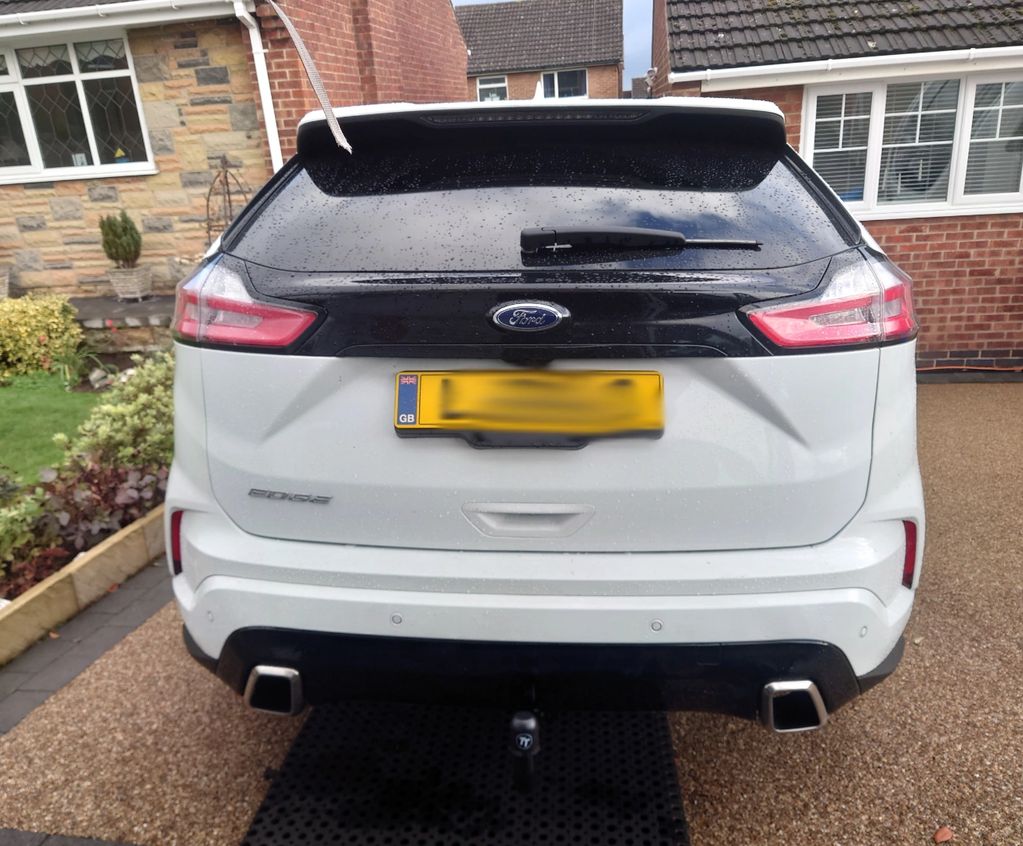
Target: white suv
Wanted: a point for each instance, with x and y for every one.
(587, 404)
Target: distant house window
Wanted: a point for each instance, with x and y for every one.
(492, 88)
(840, 142)
(69, 109)
(566, 83)
(916, 145)
(995, 161)
(891, 148)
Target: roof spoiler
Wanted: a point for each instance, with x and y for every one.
(750, 121)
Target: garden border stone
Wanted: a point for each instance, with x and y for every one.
(62, 595)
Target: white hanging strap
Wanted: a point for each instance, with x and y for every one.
(314, 78)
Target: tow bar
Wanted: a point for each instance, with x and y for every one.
(525, 746)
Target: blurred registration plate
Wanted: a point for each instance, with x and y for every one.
(578, 403)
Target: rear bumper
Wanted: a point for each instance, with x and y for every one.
(725, 678)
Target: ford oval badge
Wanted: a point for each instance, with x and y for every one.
(528, 317)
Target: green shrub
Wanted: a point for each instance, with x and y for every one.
(34, 330)
(19, 537)
(121, 239)
(133, 424)
(114, 471)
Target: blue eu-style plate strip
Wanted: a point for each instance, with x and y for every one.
(408, 399)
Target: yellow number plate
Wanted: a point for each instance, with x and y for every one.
(579, 403)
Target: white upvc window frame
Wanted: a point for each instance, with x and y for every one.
(482, 86)
(13, 82)
(958, 202)
(557, 85)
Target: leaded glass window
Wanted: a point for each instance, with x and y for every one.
(69, 106)
(13, 150)
(115, 120)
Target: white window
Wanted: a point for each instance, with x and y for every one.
(995, 159)
(902, 148)
(491, 88)
(840, 142)
(566, 83)
(68, 110)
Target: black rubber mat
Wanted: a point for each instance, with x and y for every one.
(395, 775)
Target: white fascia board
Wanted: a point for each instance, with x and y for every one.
(697, 104)
(27, 25)
(859, 67)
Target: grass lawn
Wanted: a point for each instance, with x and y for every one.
(32, 410)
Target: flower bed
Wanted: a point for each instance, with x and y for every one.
(114, 470)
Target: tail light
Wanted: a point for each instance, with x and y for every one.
(175, 541)
(909, 561)
(214, 307)
(861, 301)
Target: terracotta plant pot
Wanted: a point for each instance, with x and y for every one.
(131, 283)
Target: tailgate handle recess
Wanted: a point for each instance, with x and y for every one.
(527, 519)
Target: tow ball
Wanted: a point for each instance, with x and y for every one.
(525, 746)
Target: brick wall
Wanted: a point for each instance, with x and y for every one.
(603, 81)
(659, 53)
(967, 283)
(200, 103)
(367, 51)
(967, 270)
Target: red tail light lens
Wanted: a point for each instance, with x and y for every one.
(175, 541)
(909, 561)
(213, 306)
(862, 301)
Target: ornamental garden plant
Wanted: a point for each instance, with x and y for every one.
(112, 468)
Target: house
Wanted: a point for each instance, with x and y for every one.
(913, 113)
(550, 48)
(136, 105)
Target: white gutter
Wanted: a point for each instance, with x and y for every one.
(858, 67)
(266, 99)
(109, 15)
(134, 13)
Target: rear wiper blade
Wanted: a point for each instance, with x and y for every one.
(555, 238)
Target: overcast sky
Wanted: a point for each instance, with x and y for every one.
(636, 31)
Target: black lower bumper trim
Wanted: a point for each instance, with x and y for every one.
(726, 678)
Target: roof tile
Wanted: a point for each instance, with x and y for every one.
(803, 30)
(534, 34)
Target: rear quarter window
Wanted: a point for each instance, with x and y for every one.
(459, 202)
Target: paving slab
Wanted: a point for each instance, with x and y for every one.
(20, 838)
(54, 661)
(17, 705)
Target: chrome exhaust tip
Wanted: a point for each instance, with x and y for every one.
(276, 690)
(788, 706)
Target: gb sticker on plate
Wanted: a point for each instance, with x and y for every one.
(406, 411)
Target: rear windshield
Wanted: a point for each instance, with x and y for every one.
(461, 205)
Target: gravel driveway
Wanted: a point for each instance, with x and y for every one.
(146, 747)
(941, 741)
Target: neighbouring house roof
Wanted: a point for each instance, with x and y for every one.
(534, 34)
(733, 34)
(12, 7)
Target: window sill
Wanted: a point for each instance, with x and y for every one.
(911, 213)
(65, 174)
